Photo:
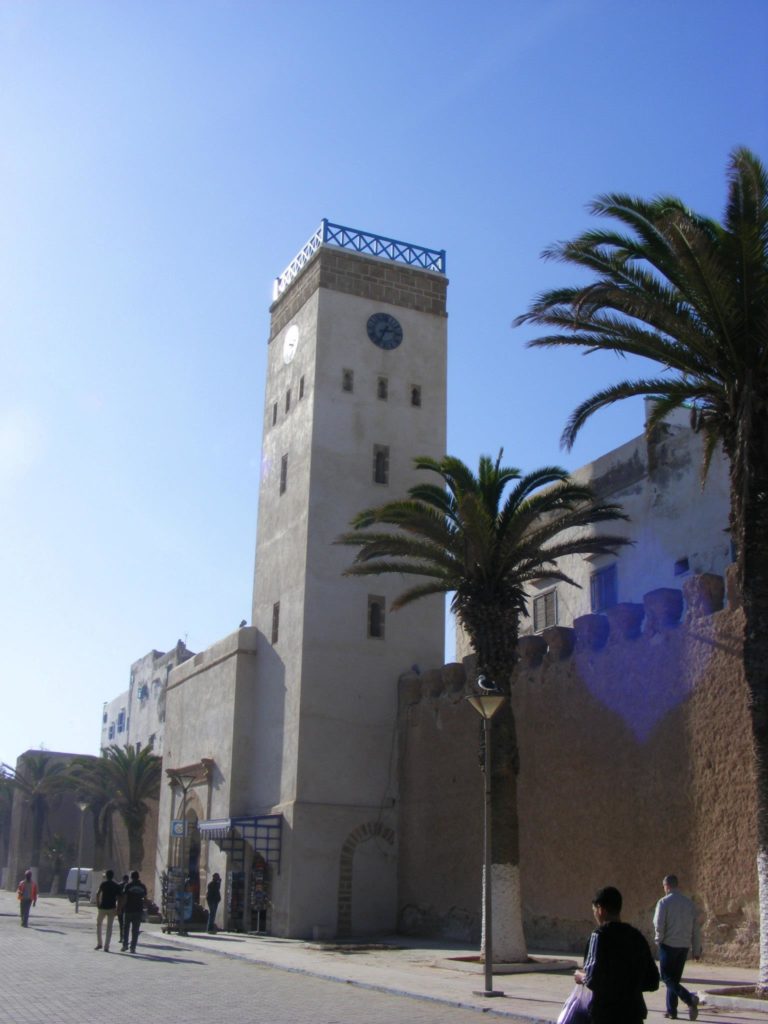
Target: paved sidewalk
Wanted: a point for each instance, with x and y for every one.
(419, 969)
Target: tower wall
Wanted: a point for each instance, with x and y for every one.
(324, 728)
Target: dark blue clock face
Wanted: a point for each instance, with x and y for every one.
(384, 330)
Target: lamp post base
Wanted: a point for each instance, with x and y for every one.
(489, 993)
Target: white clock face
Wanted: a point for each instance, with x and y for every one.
(290, 343)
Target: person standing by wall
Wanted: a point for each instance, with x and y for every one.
(106, 901)
(26, 894)
(619, 966)
(134, 894)
(213, 899)
(677, 931)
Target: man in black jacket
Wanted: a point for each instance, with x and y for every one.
(619, 966)
(134, 894)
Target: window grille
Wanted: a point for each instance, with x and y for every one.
(545, 611)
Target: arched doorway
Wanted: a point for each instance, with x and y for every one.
(364, 873)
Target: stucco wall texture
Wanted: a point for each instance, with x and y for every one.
(636, 761)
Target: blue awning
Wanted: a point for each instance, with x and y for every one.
(262, 832)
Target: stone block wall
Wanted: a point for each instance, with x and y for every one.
(635, 762)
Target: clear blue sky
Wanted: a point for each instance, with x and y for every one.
(161, 162)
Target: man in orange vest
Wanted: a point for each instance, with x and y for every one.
(26, 894)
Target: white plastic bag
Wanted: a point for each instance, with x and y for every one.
(576, 1008)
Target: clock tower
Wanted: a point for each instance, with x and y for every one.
(356, 388)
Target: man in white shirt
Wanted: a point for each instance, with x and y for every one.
(677, 931)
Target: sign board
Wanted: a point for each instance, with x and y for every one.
(178, 828)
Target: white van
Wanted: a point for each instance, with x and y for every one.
(86, 883)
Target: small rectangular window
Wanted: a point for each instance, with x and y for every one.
(274, 414)
(347, 380)
(301, 388)
(104, 718)
(288, 400)
(283, 474)
(376, 606)
(602, 586)
(380, 464)
(416, 395)
(382, 388)
(112, 731)
(275, 621)
(121, 721)
(545, 611)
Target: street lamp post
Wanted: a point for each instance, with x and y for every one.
(83, 808)
(486, 705)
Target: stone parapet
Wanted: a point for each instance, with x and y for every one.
(364, 276)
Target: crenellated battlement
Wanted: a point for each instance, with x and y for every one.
(662, 610)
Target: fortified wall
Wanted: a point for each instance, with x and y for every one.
(636, 762)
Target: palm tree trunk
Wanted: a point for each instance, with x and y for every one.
(751, 528)
(507, 915)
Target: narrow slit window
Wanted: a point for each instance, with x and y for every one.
(288, 400)
(382, 388)
(274, 414)
(275, 621)
(380, 464)
(283, 474)
(301, 388)
(347, 380)
(376, 615)
(416, 395)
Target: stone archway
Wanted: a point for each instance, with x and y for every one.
(346, 865)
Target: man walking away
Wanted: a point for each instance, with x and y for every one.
(106, 901)
(26, 894)
(134, 894)
(677, 931)
(619, 966)
(213, 898)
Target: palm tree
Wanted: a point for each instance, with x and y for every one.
(56, 851)
(133, 778)
(90, 778)
(691, 294)
(38, 778)
(464, 537)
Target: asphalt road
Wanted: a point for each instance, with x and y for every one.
(51, 974)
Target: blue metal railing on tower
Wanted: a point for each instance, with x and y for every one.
(364, 242)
